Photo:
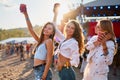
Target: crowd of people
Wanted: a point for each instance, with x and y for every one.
(24, 50)
(66, 52)
(101, 49)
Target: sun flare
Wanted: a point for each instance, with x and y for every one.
(62, 10)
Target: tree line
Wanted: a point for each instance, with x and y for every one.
(18, 32)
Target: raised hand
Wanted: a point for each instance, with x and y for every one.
(103, 37)
(56, 8)
(23, 8)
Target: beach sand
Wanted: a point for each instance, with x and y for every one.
(11, 68)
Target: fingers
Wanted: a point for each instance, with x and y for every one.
(23, 8)
(101, 36)
(104, 37)
(56, 8)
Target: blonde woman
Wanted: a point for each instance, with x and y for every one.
(101, 47)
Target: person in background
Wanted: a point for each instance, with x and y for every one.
(116, 59)
(31, 49)
(17, 49)
(44, 49)
(84, 62)
(55, 58)
(70, 48)
(28, 50)
(21, 51)
(101, 51)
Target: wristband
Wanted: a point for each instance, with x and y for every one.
(27, 19)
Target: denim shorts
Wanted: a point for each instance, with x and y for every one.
(39, 71)
(67, 74)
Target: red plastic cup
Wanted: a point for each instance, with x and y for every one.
(99, 35)
(23, 8)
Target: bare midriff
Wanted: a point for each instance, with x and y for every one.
(38, 62)
(62, 60)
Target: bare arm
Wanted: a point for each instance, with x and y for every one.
(55, 17)
(55, 10)
(58, 33)
(105, 38)
(49, 46)
(30, 26)
(92, 43)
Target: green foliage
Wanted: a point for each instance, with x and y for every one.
(18, 32)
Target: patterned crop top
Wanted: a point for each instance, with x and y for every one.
(41, 52)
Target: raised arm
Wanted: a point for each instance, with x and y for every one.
(55, 10)
(30, 28)
(58, 33)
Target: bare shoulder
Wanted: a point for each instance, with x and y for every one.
(49, 41)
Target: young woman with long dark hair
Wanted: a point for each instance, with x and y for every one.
(101, 51)
(44, 50)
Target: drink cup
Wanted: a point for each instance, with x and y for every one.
(23, 8)
(100, 33)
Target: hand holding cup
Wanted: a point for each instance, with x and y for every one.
(101, 36)
(23, 8)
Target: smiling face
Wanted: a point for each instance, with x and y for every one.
(70, 29)
(74, 30)
(48, 30)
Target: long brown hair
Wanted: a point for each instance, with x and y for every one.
(42, 35)
(107, 26)
(78, 35)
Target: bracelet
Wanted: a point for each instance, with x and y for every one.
(27, 19)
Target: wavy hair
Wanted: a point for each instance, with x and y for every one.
(107, 25)
(78, 35)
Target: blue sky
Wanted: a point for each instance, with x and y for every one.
(40, 11)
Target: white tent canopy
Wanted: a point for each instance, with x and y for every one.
(18, 40)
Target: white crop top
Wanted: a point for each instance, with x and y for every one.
(68, 48)
(41, 52)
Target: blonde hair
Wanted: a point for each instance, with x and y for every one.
(107, 26)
